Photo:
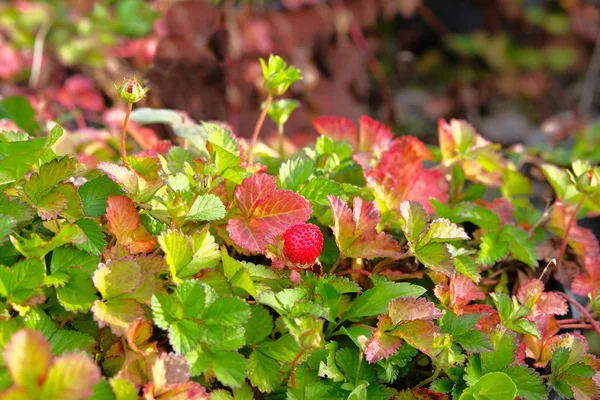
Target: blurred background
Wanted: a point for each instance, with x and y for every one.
(522, 71)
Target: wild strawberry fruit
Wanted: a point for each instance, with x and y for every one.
(302, 244)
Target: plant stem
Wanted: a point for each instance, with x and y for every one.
(430, 379)
(124, 134)
(582, 309)
(563, 245)
(335, 265)
(575, 326)
(354, 271)
(280, 139)
(259, 125)
(293, 368)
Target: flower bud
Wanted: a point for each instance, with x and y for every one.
(131, 91)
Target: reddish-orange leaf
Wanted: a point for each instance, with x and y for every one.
(124, 223)
(356, 231)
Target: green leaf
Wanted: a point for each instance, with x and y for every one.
(522, 247)
(503, 353)
(227, 150)
(413, 220)
(317, 190)
(17, 158)
(135, 17)
(7, 224)
(78, 294)
(123, 389)
(279, 111)
(375, 301)
(529, 385)
(237, 274)
(492, 386)
(18, 110)
(283, 349)
(184, 336)
(469, 212)
(492, 249)
(259, 326)
(295, 172)
(437, 257)
(95, 241)
(229, 368)
(264, 372)
(228, 311)
(207, 207)
(474, 341)
(94, 195)
(458, 325)
(278, 76)
(166, 310)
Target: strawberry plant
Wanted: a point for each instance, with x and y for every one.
(365, 265)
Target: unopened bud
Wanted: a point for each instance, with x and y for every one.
(131, 91)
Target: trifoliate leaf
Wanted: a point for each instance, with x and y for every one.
(356, 230)
(264, 210)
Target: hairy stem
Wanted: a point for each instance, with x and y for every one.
(575, 326)
(280, 138)
(259, 125)
(293, 368)
(124, 134)
(563, 245)
(582, 309)
(429, 380)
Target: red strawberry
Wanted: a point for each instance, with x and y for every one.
(302, 244)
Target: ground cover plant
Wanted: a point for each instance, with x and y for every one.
(363, 266)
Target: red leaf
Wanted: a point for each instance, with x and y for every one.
(585, 244)
(124, 223)
(382, 345)
(503, 209)
(264, 211)
(356, 231)
(373, 135)
(532, 294)
(411, 309)
(402, 156)
(339, 129)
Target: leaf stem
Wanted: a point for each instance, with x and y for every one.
(293, 368)
(280, 138)
(582, 309)
(124, 134)
(259, 125)
(563, 245)
(430, 379)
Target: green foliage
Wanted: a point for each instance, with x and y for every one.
(168, 276)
